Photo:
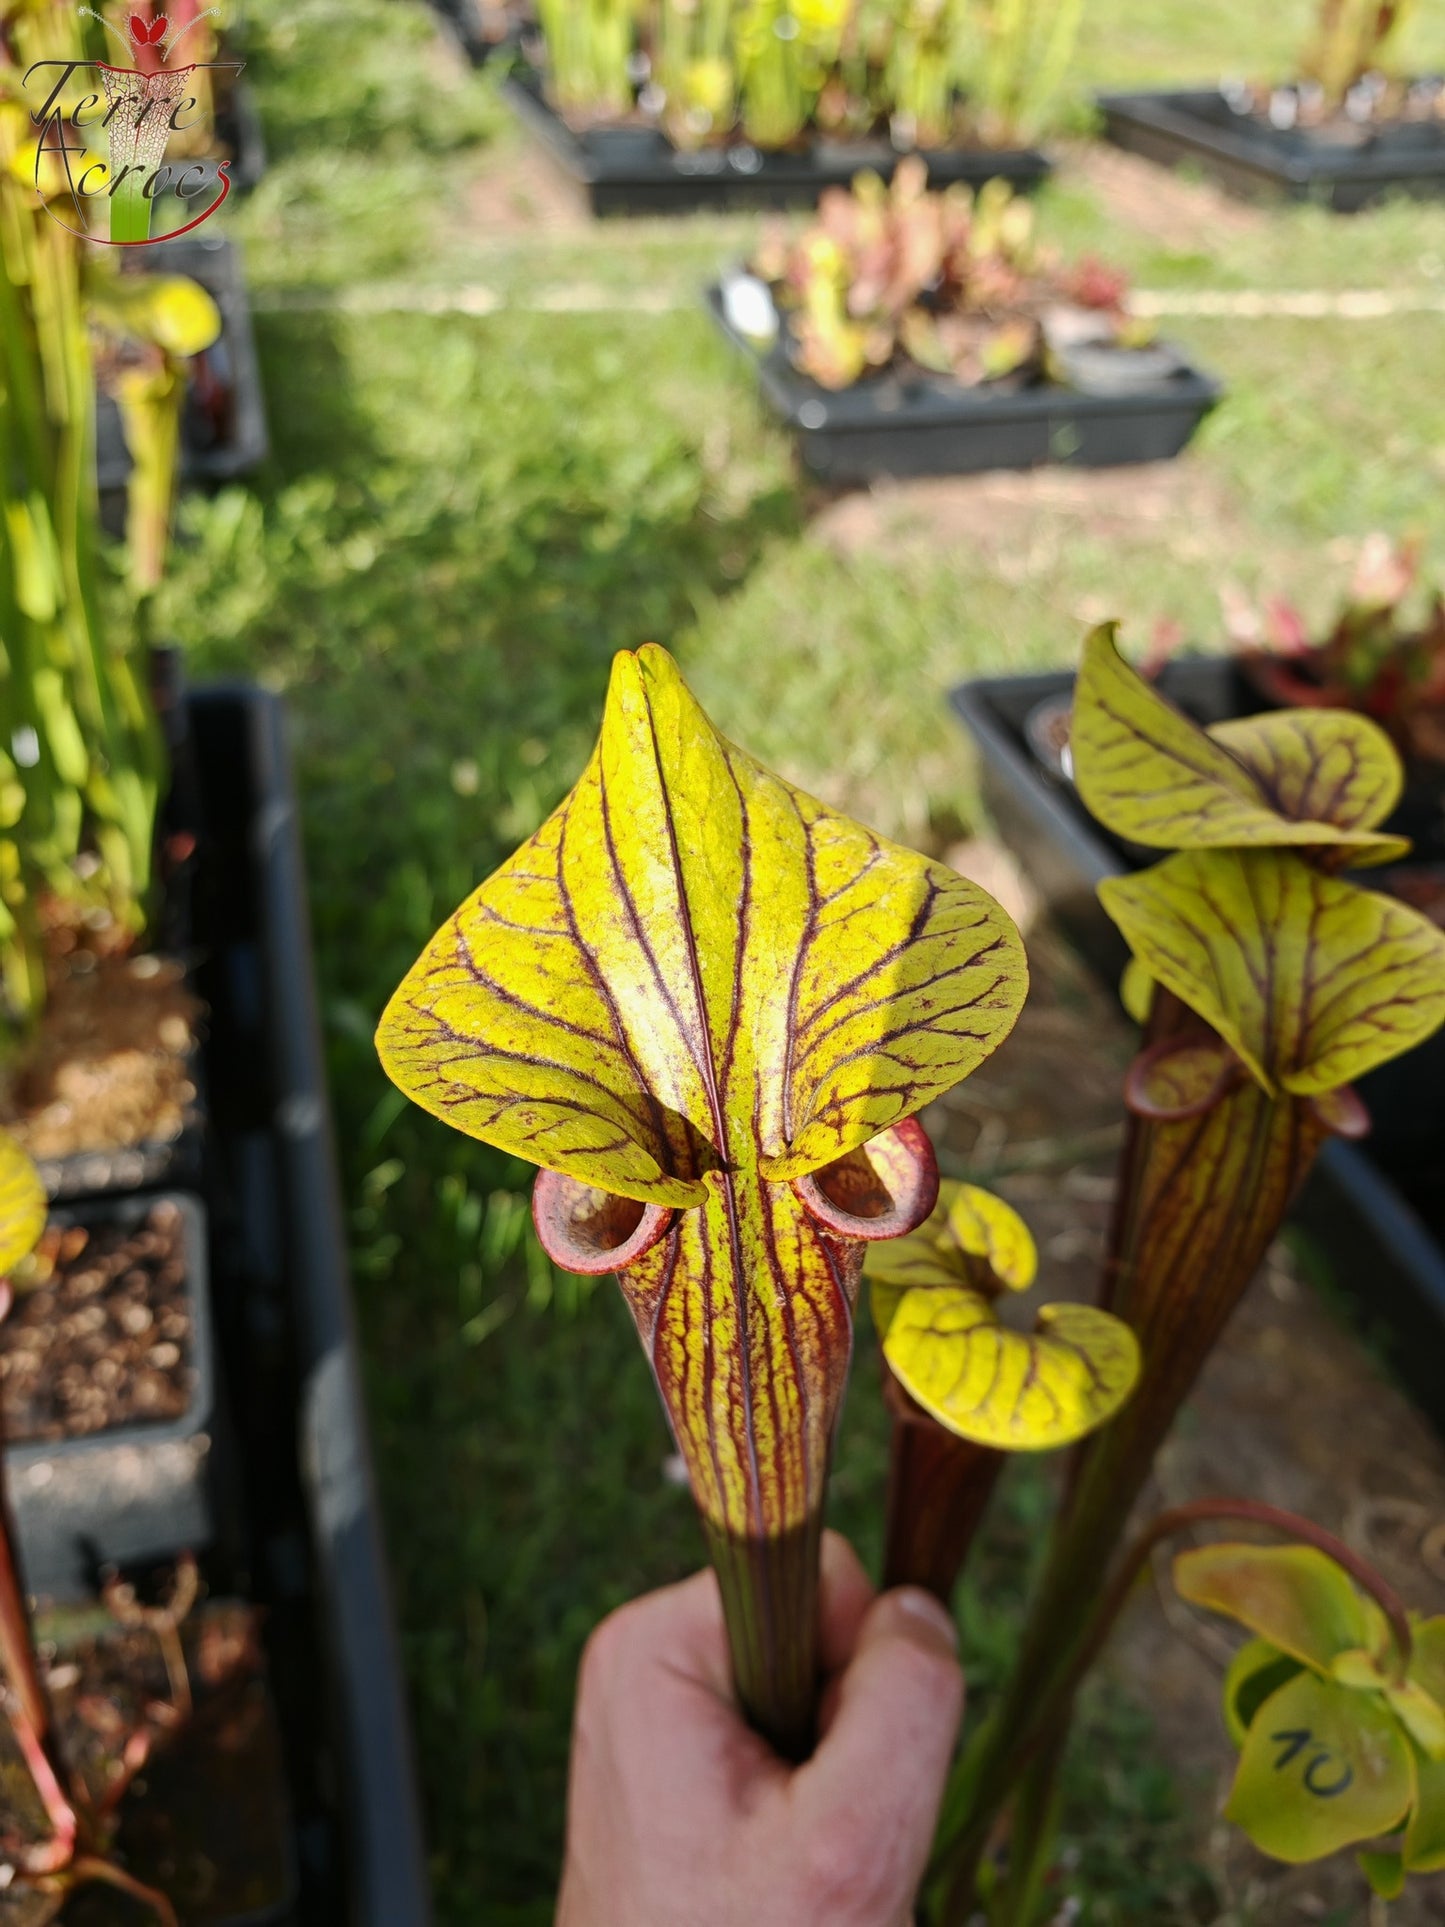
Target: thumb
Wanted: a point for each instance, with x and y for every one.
(874, 1787)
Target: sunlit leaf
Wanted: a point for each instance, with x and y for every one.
(1322, 1768)
(1324, 766)
(691, 964)
(972, 1239)
(1015, 1391)
(967, 1224)
(169, 310)
(1148, 773)
(1312, 981)
(1293, 1596)
(23, 1206)
(1257, 1671)
(983, 1226)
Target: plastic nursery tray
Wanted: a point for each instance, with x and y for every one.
(215, 263)
(311, 1550)
(136, 1493)
(1251, 158)
(478, 29)
(1379, 1249)
(930, 425)
(637, 170)
(239, 126)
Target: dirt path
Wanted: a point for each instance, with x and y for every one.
(1291, 1409)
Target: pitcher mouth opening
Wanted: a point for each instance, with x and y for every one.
(588, 1230)
(884, 1189)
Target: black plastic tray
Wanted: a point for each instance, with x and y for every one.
(638, 171)
(932, 426)
(216, 264)
(135, 1494)
(477, 37)
(1356, 1207)
(1251, 158)
(239, 127)
(312, 1555)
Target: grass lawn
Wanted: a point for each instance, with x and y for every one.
(463, 518)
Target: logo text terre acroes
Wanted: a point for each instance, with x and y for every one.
(105, 133)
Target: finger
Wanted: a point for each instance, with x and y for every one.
(873, 1788)
(681, 1626)
(846, 1594)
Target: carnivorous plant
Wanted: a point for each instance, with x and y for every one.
(967, 1388)
(709, 1008)
(1268, 982)
(954, 282)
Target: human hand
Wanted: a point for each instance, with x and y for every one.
(679, 1815)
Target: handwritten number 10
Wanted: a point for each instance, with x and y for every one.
(1320, 1778)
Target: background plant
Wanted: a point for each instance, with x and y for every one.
(80, 755)
(692, 64)
(1353, 38)
(955, 281)
(590, 47)
(1267, 983)
(1380, 656)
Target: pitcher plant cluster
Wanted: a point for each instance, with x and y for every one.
(928, 72)
(956, 283)
(80, 755)
(710, 1009)
(1383, 654)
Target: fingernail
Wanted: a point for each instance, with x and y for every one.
(921, 1606)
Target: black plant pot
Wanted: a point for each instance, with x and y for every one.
(1199, 127)
(924, 424)
(1377, 1212)
(223, 430)
(639, 171)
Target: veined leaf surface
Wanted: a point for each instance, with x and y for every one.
(23, 1205)
(1014, 1391)
(1312, 981)
(692, 987)
(1322, 1768)
(1148, 773)
(1326, 766)
(1293, 1596)
(935, 1303)
(693, 965)
(971, 1237)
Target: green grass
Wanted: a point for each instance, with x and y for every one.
(461, 521)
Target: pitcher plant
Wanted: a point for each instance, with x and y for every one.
(709, 1008)
(1268, 983)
